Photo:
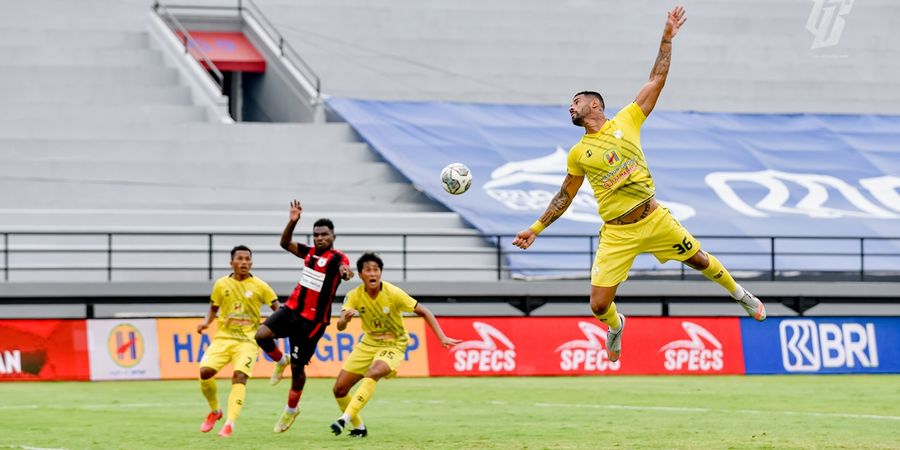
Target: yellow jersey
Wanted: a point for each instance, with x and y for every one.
(382, 316)
(239, 303)
(613, 162)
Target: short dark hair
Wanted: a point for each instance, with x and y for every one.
(367, 257)
(592, 94)
(238, 248)
(324, 223)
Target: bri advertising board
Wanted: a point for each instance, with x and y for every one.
(826, 345)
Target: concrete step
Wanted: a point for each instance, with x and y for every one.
(243, 220)
(37, 192)
(71, 114)
(64, 38)
(213, 174)
(151, 151)
(257, 134)
(94, 95)
(33, 56)
(88, 76)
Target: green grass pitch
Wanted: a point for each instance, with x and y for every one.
(528, 412)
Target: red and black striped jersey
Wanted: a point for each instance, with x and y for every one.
(318, 282)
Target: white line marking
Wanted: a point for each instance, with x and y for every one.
(717, 411)
(28, 447)
(95, 406)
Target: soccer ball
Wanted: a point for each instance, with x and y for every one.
(456, 178)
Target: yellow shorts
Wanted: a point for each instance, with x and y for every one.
(363, 355)
(223, 351)
(659, 234)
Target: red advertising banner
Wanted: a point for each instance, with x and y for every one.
(43, 350)
(577, 346)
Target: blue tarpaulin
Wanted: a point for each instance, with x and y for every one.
(720, 174)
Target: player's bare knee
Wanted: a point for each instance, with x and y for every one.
(239, 377)
(340, 391)
(263, 334)
(207, 373)
(698, 262)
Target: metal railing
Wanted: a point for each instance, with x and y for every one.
(484, 257)
(190, 45)
(248, 8)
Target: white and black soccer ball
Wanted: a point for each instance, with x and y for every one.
(456, 178)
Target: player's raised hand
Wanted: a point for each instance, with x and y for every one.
(347, 314)
(447, 342)
(676, 19)
(524, 238)
(346, 272)
(296, 210)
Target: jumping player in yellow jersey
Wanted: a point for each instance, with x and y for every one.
(236, 299)
(383, 347)
(611, 158)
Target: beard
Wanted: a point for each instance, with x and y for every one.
(578, 120)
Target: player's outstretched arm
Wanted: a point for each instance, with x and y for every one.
(649, 94)
(210, 315)
(558, 205)
(426, 314)
(288, 233)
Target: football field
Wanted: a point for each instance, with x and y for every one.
(524, 412)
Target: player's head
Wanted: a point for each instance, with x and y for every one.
(323, 234)
(584, 104)
(241, 260)
(369, 267)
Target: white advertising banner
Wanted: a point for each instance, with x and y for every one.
(122, 349)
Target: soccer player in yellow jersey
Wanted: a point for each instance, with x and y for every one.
(383, 347)
(610, 157)
(236, 299)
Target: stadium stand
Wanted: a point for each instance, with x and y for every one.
(106, 135)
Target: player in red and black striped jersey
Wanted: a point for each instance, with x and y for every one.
(307, 311)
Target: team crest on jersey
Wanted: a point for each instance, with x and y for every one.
(322, 262)
(248, 294)
(612, 157)
(386, 310)
(618, 134)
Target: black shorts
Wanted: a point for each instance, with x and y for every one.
(303, 334)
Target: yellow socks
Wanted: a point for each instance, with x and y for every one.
(343, 402)
(610, 317)
(236, 400)
(209, 390)
(360, 397)
(717, 273)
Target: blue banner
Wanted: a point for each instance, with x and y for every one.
(719, 174)
(821, 345)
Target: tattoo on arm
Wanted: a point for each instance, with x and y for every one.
(663, 59)
(558, 204)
